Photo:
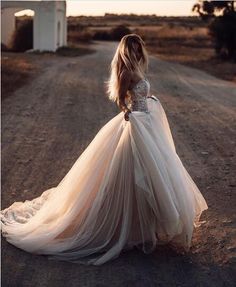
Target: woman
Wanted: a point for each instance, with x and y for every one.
(128, 188)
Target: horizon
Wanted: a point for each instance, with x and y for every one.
(168, 8)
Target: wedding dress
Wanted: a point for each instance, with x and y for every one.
(128, 188)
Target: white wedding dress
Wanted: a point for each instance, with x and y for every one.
(128, 188)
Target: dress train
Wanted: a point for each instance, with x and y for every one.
(128, 188)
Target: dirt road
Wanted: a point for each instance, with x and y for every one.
(48, 123)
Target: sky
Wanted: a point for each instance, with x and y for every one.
(99, 8)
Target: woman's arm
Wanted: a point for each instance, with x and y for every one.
(125, 79)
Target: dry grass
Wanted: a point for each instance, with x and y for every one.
(80, 36)
(184, 40)
(187, 46)
(17, 70)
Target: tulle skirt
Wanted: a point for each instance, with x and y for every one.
(128, 188)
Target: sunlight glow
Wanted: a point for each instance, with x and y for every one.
(158, 7)
(25, 12)
(99, 8)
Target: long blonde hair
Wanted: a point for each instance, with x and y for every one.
(125, 58)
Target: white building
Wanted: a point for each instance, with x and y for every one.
(49, 23)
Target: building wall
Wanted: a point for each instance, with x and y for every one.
(49, 16)
(7, 24)
(45, 31)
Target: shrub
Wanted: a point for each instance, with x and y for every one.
(102, 35)
(119, 31)
(223, 32)
(80, 36)
(115, 34)
(4, 48)
(22, 38)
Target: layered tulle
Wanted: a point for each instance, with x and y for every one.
(127, 188)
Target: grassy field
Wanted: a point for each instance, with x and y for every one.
(184, 40)
(188, 46)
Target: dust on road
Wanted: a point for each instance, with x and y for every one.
(48, 123)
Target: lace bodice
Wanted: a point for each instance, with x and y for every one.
(138, 96)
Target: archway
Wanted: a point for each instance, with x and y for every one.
(48, 35)
(22, 38)
(58, 33)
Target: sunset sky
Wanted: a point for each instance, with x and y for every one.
(158, 7)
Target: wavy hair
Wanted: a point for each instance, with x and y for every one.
(126, 58)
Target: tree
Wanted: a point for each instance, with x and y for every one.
(221, 16)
